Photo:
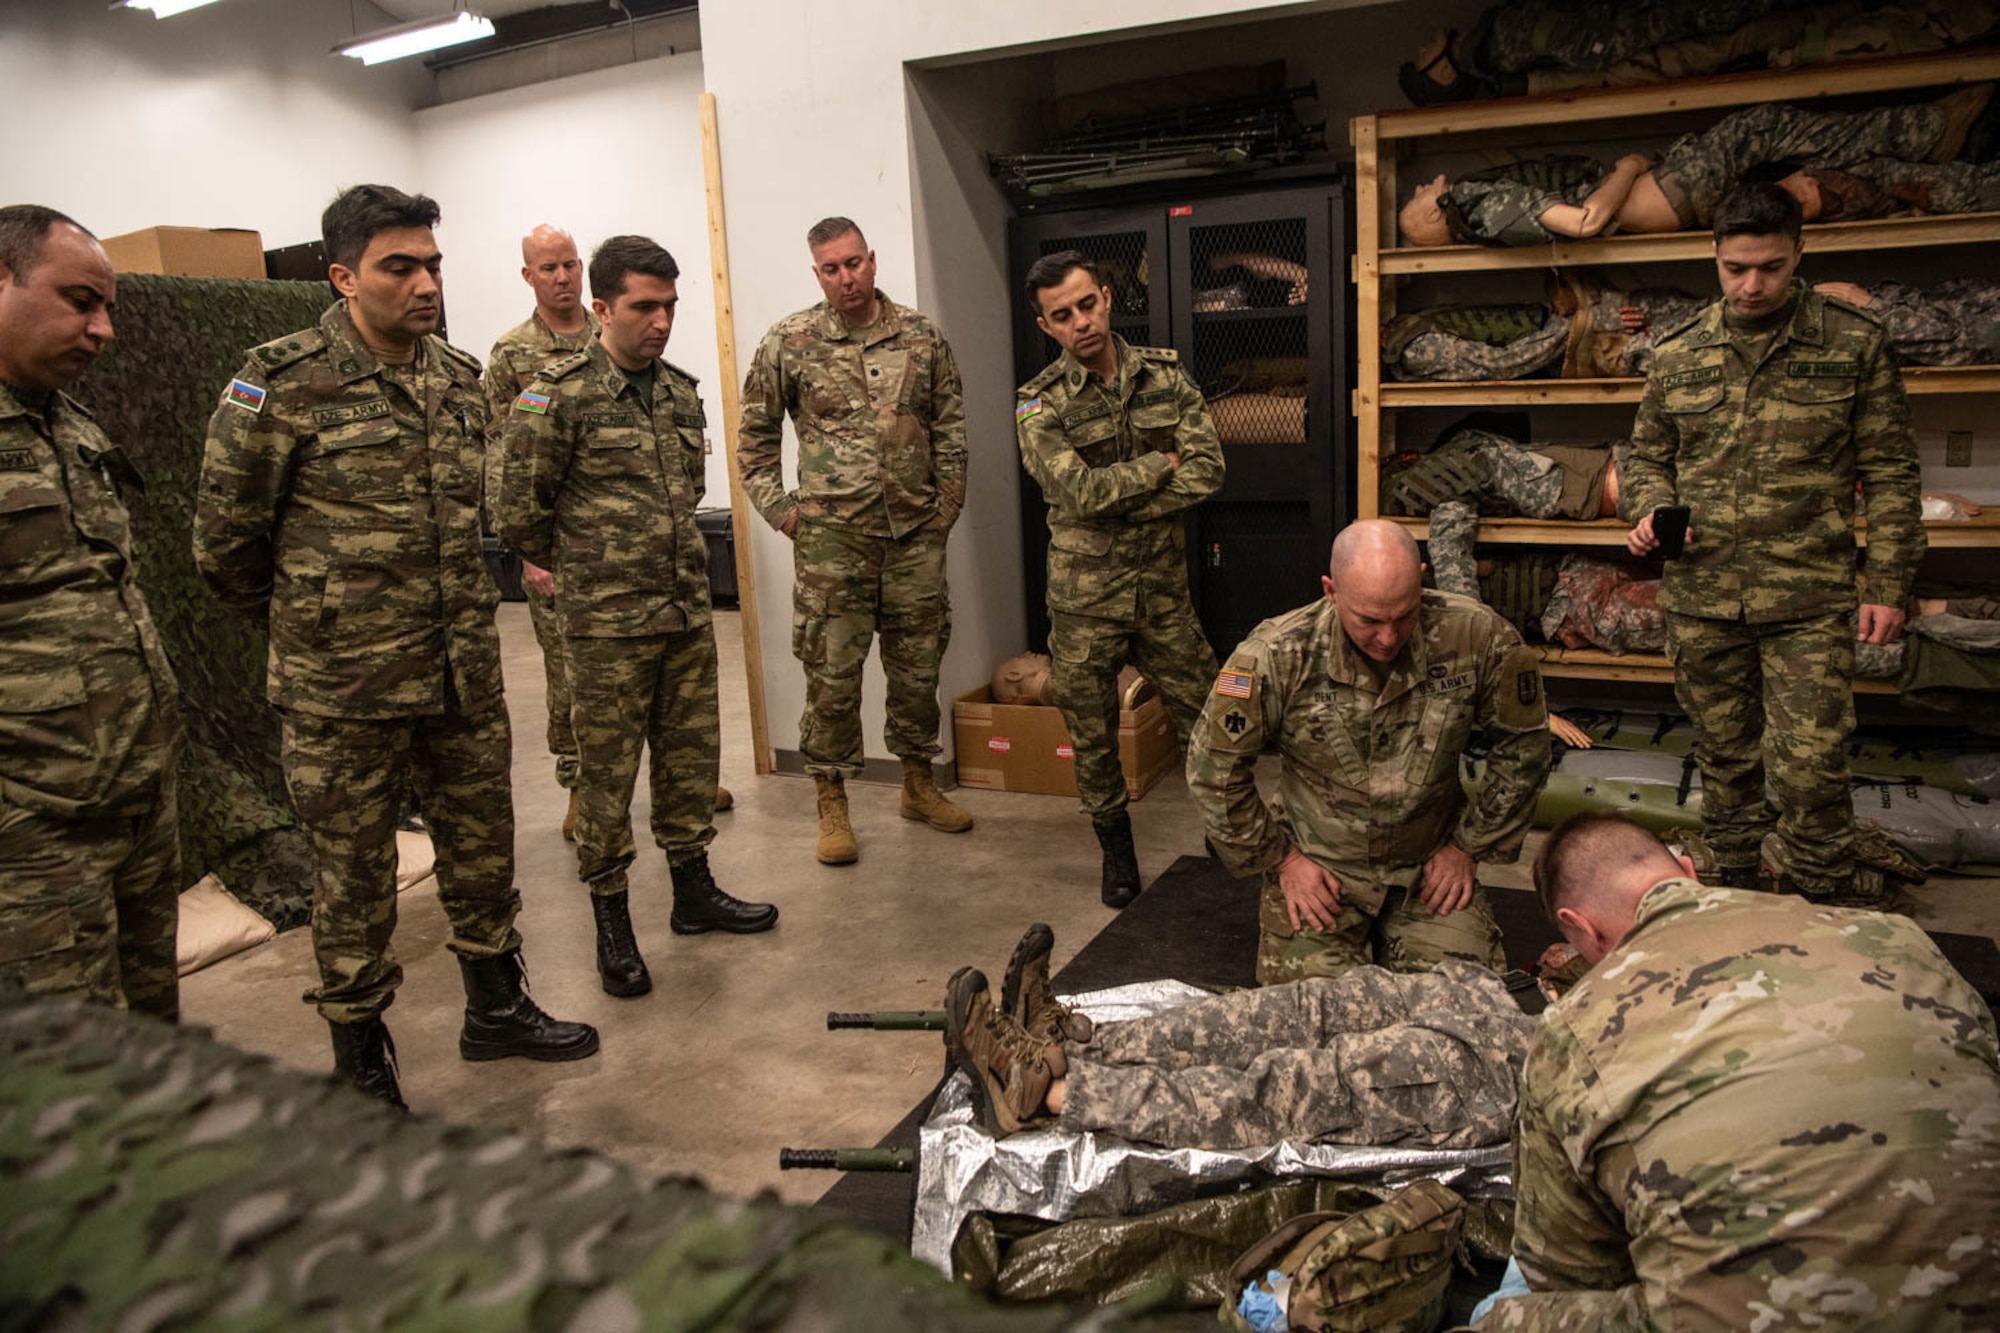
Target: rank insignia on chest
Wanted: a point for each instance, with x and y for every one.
(1234, 684)
(538, 403)
(1027, 409)
(246, 396)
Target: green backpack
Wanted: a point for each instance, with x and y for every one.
(1381, 1270)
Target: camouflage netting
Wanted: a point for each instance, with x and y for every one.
(179, 342)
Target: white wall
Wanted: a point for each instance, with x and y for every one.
(230, 116)
(818, 115)
(599, 154)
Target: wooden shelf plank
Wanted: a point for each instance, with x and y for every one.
(1917, 379)
(1977, 533)
(1837, 79)
(1596, 664)
(1670, 246)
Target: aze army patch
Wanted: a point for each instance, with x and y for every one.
(246, 396)
(538, 403)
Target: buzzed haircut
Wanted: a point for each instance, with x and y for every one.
(1371, 532)
(620, 257)
(1050, 270)
(832, 229)
(360, 211)
(1759, 209)
(24, 229)
(1588, 849)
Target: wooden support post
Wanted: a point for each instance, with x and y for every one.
(1368, 214)
(732, 413)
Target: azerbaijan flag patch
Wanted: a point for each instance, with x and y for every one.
(246, 396)
(1026, 410)
(538, 403)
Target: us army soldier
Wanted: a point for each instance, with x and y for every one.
(602, 461)
(1120, 441)
(90, 865)
(559, 325)
(1761, 415)
(1720, 1127)
(1371, 695)
(873, 392)
(339, 499)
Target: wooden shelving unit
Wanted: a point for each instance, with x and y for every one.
(1379, 265)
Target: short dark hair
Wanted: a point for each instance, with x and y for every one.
(1050, 270)
(24, 229)
(1759, 209)
(359, 211)
(1586, 849)
(615, 260)
(832, 229)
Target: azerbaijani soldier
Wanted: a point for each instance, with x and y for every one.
(340, 498)
(558, 326)
(1752, 1111)
(90, 864)
(1371, 696)
(874, 394)
(1761, 415)
(602, 468)
(1120, 441)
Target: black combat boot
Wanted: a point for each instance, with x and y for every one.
(364, 1056)
(619, 965)
(699, 906)
(500, 1019)
(1121, 861)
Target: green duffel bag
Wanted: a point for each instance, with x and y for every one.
(1381, 1270)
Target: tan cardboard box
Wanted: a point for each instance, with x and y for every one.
(194, 252)
(1017, 747)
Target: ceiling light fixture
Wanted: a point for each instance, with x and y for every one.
(163, 9)
(412, 39)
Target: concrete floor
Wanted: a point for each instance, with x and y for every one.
(728, 1059)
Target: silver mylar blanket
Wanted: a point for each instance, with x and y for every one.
(1056, 1176)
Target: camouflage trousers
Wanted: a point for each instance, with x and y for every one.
(1936, 187)
(555, 666)
(1086, 654)
(1368, 1057)
(1699, 169)
(1579, 1311)
(349, 779)
(1781, 693)
(656, 692)
(1375, 924)
(1444, 355)
(89, 906)
(848, 588)
(1525, 483)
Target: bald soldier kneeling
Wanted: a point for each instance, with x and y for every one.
(1371, 695)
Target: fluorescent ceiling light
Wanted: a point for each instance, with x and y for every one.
(413, 39)
(166, 9)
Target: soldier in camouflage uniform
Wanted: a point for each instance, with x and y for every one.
(1370, 1057)
(602, 468)
(90, 866)
(1761, 416)
(558, 326)
(1120, 441)
(1904, 152)
(1371, 696)
(1753, 1112)
(340, 498)
(873, 391)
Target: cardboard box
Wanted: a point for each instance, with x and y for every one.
(195, 252)
(1019, 747)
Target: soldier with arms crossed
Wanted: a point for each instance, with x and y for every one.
(340, 498)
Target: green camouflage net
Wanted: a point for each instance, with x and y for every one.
(180, 340)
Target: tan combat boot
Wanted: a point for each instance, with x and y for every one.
(569, 818)
(922, 800)
(836, 835)
(1009, 1069)
(1027, 998)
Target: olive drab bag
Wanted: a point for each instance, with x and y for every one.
(1381, 1270)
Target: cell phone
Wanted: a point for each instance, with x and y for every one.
(1670, 529)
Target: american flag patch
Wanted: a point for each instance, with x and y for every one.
(1234, 684)
(246, 396)
(538, 403)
